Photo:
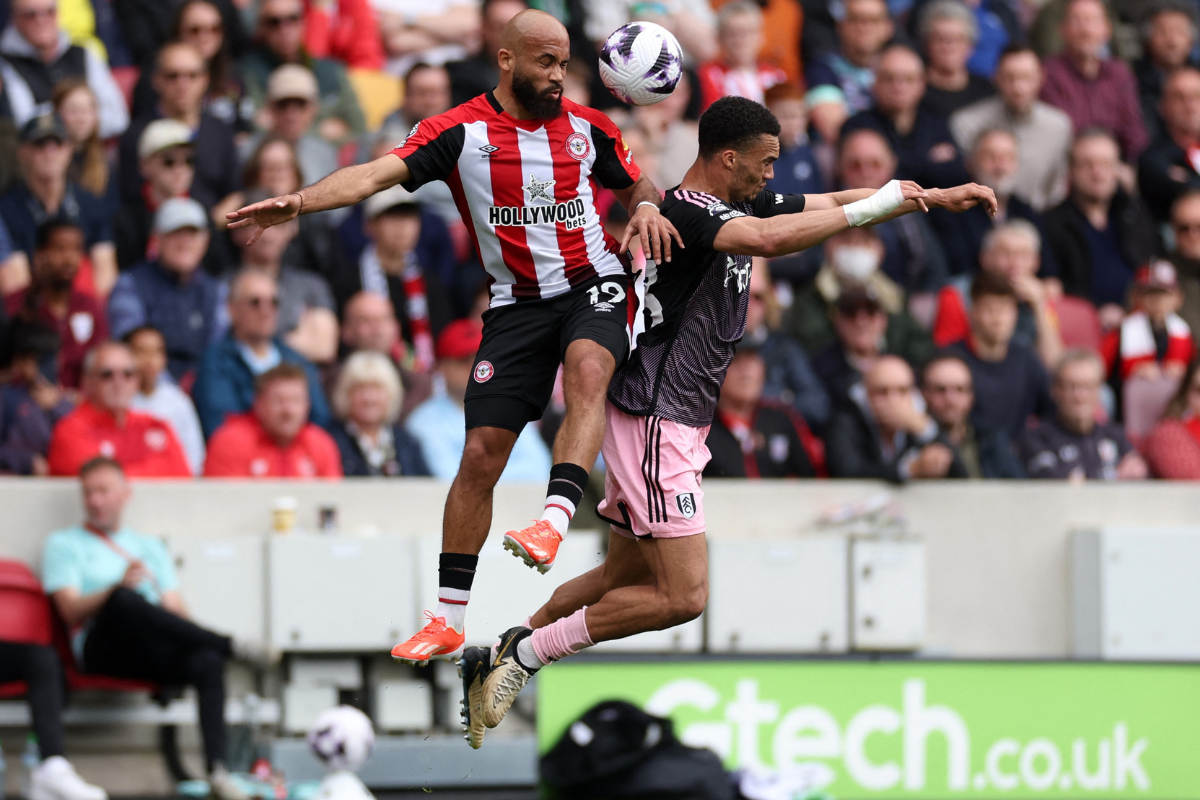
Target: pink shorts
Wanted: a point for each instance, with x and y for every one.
(652, 486)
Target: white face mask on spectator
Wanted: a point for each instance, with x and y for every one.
(855, 263)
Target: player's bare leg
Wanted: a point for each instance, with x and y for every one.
(587, 368)
(624, 565)
(465, 524)
(679, 569)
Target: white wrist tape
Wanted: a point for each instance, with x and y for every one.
(880, 204)
(645, 203)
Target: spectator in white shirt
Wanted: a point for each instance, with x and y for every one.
(159, 396)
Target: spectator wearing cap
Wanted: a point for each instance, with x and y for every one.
(279, 40)
(367, 400)
(1172, 448)
(913, 256)
(1100, 233)
(1168, 38)
(105, 424)
(170, 292)
(885, 433)
(390, 265)
(752, 437)
(738, 71)
(167, 158)
(1185, 224)
(950, 397)
(439, 424)
(994, 162)
(225, 379)
(1095, 89)
(306, 308)
(1153, 340)
(159, 396)
(479, 73)
(790, 380)
(274, 439)
(44, 194)
(180, 78)
(1009, 380)
(292, 105)
(35, 53)
(797, 171)
(53, 301)
(1071, 444)
(1009, 251)
(1168, 167)
(925, 148)
(949, 33)
(848, 74)
(861, 328)
(1043, 132)
(31, 403)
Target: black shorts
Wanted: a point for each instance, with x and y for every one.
(525, 342)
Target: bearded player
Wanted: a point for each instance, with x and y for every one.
(524, 166)
(661, 402)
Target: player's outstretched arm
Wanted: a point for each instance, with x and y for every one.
(342, 188)
(791, 233)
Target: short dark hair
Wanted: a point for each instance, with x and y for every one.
(51, 226)
(98, 463)
(140, 329)
(989, 284)
(1017, 49)
(734, 123)
(944, 357)
(281, 372)
(419, 67)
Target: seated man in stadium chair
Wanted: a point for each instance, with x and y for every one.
(38, 666)
(949, 394)
(118, 593)
(1072, 445)
(886, 434)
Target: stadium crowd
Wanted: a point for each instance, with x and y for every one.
(1054, 340)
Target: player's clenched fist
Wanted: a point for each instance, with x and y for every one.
(960, 198)
(264, 214)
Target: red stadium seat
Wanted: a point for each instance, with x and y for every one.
(127, 79)
(25, 615)
(1078, 323)
(1144, 402)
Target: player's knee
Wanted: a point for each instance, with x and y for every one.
(485, 454)
(686, 606)
(591, 376)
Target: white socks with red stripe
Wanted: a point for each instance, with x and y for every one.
(452, 605)
(564, 494)
(456, 572)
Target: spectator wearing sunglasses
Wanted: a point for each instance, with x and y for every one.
(181, 80)
(170, 292)
(105, 424)
(280, 40)
(167, 164)
(225, 382)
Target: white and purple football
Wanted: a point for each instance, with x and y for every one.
(342, 738)
(640, 63)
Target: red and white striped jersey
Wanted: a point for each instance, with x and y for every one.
(526, 190)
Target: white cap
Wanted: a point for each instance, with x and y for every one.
(161, 134)
(292, 80)
(180, 212)
(397, 195)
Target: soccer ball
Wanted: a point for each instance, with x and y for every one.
(342, 738)
(640, 63)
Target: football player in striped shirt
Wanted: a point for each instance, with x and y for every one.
(661, 401)
(525, 166)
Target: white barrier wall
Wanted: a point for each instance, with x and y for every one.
(996, 553)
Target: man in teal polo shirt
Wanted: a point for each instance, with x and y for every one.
(119, 595)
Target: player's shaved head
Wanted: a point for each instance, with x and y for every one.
(534, 51)
(531, 28)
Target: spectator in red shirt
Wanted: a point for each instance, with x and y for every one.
(1172, 449)
(274, 440)
(344, 30)
(53, 301)
(104, 424)
(1153, 340)
(738, 71)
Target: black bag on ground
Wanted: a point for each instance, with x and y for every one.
(616, 751)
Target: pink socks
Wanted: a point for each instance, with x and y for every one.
(564, 637)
